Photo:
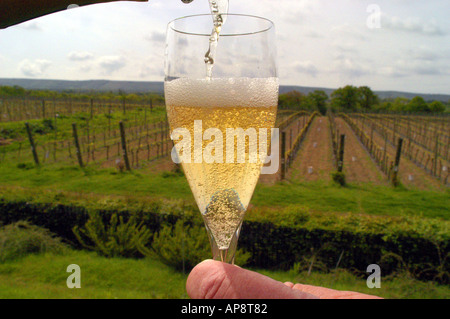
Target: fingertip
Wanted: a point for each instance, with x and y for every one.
(205, 279)
(289, 284)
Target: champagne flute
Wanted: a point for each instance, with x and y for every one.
(219, 105)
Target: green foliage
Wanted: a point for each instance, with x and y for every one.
(17, 91)
(318, 100)
(351, 98)
(11, 91)
(22, 238)
(8, 133)
(41, 127)
(368, 99)
(183, 245)
(400, 104)
(338, 177)
(418, 104)
(314, 101)
(346, 98)
(436, 107)
(113, 238)
(180, 246)
(290, 100)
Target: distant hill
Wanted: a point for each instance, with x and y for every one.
(381, 94)
(158, 87)
(86, 85)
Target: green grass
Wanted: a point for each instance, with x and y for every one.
(99, 181)
(315, 196)
(44, 276)
(356, 198)
(399, 286)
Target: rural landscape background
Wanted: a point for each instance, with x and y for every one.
(363, 180)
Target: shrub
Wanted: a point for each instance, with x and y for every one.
(22, 238)
(113, 238)
(183, 245)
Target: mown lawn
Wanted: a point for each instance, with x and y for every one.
(315, 196)
(44, 276)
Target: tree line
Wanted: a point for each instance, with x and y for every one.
(20, 92)
(348, 98)
(351, 99)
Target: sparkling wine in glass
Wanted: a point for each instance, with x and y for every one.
(221, 116)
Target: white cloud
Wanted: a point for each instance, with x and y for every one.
(36, 68)
(155, 36)
(412, 25)
(424, 53)
(80, 55)
(350, 68)
(150, 70)
(111, 63)
(348, 31)
(421, 67)
(305, 67)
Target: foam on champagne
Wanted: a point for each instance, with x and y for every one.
(232, 92)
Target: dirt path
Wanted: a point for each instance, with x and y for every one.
(314, 160)
(292, 131)
(410, 175)
(358, 165)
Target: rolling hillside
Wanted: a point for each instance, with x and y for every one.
(158, 87)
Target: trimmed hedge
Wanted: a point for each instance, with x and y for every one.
(275, 238)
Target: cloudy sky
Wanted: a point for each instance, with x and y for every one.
(401, 45)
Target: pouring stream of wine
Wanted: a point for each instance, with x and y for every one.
(217, 7)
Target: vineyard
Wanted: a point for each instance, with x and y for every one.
(129, 135)
(83, 133)
(352, 189)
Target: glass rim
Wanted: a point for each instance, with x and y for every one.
(270, 26)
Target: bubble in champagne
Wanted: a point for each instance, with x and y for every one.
(223, 216)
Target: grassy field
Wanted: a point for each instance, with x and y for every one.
(44, 276)
(319, 196)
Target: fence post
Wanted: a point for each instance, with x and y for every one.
(371, 138)
(341, 153)
(43, 109)
(397, 162)
(283, 155)
(436, 154)
(124, 146)
(77, 144)
(290, 139)
(92, 108)
(33, 147)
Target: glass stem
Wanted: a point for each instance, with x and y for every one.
(224, 255)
